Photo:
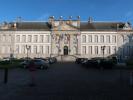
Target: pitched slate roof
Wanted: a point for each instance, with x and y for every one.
(86, 26)
(33, 26)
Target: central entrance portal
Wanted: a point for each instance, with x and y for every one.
(65, 50)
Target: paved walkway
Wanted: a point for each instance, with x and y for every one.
(67, 81)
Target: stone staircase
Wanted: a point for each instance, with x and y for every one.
(66, 58)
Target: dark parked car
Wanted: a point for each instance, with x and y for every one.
(99, 62)
(24, 64)
(84, 61)
(107, 63)
(92, 63)
(52, 60)
(80, 60)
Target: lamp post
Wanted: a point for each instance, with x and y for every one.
(103, 48)
(28, 48)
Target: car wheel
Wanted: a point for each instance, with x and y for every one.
(24, 66)
(41, 67)
(46, 67)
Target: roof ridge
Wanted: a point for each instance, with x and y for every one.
(104, 22)
(31, 21)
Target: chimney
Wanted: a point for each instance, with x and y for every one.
(19, 19)
(51, 20)
(70, 19)
(60, 20)
(78, 21)
(15, 25)
(90, 20)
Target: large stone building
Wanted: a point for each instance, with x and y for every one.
(66, 37)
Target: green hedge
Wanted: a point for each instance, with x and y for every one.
(9, 64)
(129, 62)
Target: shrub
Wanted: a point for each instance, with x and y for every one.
(129, 62)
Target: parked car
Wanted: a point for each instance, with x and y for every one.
(51, 60)
(84, 61)
(6, 59)
(107, 63)
(80, 60)
(24, 64)
(39, 63)
(92, 63)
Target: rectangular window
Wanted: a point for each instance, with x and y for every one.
(41, 38)
(102, 38)
(108, 39)
(74, 39)
(89, 38)
(90, 50)
(17, 49)
(108, 49)
(7, 49)
(4, 38)
(3, 49)
(9, 39)
(113, 49)
(41, 49)
(83, 49)
(23, 49)
(96, 49)
(47, 38)
(29, 38)
(96, 38)
(35, 49)
(23, 38)
(35, 38)
(83, 38)
(47, 49)
(18, 38)
(114, 39)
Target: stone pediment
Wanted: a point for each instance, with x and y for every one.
(64, 27)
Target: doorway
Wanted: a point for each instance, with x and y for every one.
(65, 50)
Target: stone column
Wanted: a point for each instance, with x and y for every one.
(79, 44)
(70, 44)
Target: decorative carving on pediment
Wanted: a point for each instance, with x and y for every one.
(127, 26)
(64, 26)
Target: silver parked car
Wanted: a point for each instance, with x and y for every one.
(39, 63)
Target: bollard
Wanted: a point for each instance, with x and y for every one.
(5, 75)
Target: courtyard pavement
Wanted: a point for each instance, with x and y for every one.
(67, 81)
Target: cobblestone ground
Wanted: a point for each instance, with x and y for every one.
(67, 81)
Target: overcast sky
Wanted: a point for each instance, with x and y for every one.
(100, 10)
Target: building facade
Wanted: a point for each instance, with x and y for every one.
(66, 37)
